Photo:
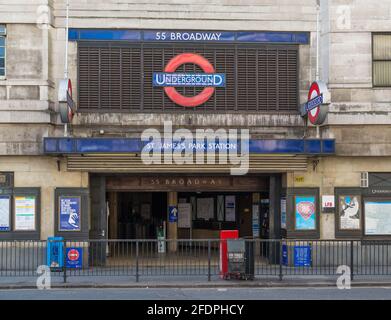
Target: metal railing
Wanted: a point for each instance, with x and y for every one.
(150, 258)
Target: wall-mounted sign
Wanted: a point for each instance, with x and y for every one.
(169, 79)
(188, 36)
(305, 213)
(5, 206)
(283, 213)
(172, 213)
(255, 220)
(316, 107)
(184, 215)
(328, 202)
(25, 213)
(67, 105)
(74, 257)
(299, 179)
(69, 219)
(349, 212)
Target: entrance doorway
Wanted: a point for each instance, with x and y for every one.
(136, 215)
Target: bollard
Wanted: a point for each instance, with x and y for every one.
(209, 257)
(280, 250)
(64, 262)
(351, 260)
(137, 271)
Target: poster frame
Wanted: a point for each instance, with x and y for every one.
(348, 233)
(83, 193)
(373, 199)
(292, 232)
(16, 195)
(59, 212)
(9, 196)
(25, 234)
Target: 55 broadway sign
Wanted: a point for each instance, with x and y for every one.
(169, 79)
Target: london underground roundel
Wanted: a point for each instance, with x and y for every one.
(67, 105)
(169, 79)
(316, 106)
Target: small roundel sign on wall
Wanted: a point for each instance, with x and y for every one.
(316, 108)
(65, 99)
(169, 79)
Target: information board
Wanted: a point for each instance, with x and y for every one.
(5, 213)
(25, 210)
(377, 218)
(184, 215)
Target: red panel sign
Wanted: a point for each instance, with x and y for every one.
(224, 235)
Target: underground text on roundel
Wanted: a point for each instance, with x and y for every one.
(196, 309)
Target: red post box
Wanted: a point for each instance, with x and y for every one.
(224, 235)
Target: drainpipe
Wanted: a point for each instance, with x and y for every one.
(66, 56)
(317, 54)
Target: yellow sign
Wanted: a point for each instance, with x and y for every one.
(299, 179)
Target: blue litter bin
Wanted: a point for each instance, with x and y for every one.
(55, 253)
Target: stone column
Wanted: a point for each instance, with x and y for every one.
(274, 216)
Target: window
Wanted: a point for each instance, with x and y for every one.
(381, 51)
(3, 32)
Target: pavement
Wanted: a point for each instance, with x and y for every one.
(308, 281)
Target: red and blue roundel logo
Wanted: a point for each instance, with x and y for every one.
(316, 106)
(169, 79)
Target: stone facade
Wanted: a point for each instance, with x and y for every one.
(359, 117)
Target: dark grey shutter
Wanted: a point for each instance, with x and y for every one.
(118, 77)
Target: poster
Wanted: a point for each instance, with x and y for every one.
(184, 215)
(146, 211)
(25, 213)
(5, 213)
(377, 218)
(305, 217)
(69, 213)
(349, 212)
(283, 213)
(230, 210)
(205, 208)
(255, 220)
(302, 256)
